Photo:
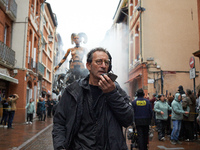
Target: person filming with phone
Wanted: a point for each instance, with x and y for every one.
(93, 110)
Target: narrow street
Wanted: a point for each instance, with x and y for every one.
(38, 136)
(44, 142)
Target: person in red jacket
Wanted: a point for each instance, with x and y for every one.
(152, 101)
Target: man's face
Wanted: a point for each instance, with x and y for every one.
(179, 97)
(99, 65)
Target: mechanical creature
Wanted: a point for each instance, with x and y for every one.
(77, 69)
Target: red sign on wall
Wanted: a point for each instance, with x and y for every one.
(192, 62)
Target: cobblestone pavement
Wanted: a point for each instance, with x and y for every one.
(42, 142)
(38, 137)
(14, 139)
(155, 144)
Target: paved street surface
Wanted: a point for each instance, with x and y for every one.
(155, 144)
(17, 138)
(38, 137)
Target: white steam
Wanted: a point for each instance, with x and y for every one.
(116, 42)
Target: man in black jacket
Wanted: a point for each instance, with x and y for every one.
(92, 111)
(143, 115)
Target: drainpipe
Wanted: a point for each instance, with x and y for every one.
(161, 77)
(141, 34)
(24, 46)
(141, 9)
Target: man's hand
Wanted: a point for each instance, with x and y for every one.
(106, 84)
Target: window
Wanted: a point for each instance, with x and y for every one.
(49, 52)
(5, 33)
(136, 2)
(45, 22)
(48, 75)
(32, 3)
(50, 31)
(34, 57)
(29, 49)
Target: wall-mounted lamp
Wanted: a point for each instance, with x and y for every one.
(50, 38)
(14, 73)
(141, 8)
(27, 74)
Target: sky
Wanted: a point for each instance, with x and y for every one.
(93, 17)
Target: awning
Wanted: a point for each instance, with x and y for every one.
(8, 78)
(134, 77)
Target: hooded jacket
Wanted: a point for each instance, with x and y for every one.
(116, 107)
(30, 108)
(177, 110)
(164, 107)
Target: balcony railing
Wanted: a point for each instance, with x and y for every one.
(41, 68)
(7, 55)
(32, 65)
(12, 9)
(3, 4)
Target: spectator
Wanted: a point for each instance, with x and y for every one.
(152, 101)
(49, 106)
(198, 112)
(189, 104)
(30, 110)
(161, 108)
(177, 116)
(12, 99)
(143, 115)
(181, 90)
(5, 112)
(41, 109)
(170, 98)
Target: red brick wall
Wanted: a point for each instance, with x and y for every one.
(19, 89)
(5, 20)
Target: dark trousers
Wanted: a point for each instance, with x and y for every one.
(169, 129)
(10, 118)
(29, 117)
(42, 115)
(4, 117)
(49, 111)
(188, 128)
(143, 135)
(161, 126)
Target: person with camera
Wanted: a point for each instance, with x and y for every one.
(161, 108)
(142, 115)
(12, 100)
(92, 110)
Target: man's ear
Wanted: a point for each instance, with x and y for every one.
(88, 65)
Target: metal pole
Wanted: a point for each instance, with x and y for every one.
(161, 74)
(194, 87)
